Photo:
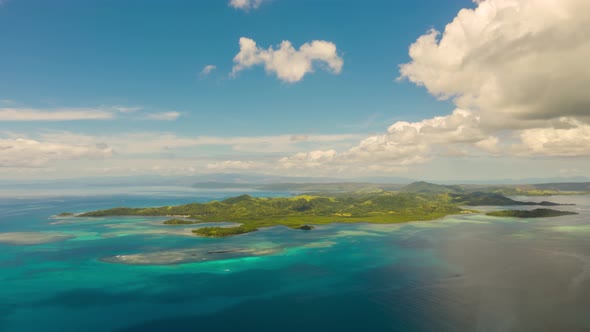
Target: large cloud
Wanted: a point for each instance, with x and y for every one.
(404, 143)
(510, 60)
(517, 71)
(567, 138)
(289, 64)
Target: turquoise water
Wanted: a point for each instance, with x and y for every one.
(461, 273)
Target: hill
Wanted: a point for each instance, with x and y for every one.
(422, 187)
(302, 210)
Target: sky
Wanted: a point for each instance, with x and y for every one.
(424, 89)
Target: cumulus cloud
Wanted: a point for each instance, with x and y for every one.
(287, 63)
(27, 114)
(570, 139)
(404, 143)
(208, 69)
(165, 116)
(310, 159)
(516, 70)
(246, 5)
(509, 59)
(22, 152)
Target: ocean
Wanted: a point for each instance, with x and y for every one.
(459, 273)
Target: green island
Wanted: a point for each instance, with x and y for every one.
(224, 231)
(176, 221)
(415, 202)
(66, 214)
(536, 213)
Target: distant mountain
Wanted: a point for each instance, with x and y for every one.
(565, 186)
(422, 187)
(492, 199)
(276, 182)
(516, 181)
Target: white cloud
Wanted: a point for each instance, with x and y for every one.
(165, 116)
(62, 114)
(573, 139)
(310, 159)
(516, 69)
(31, 153)
(246, 5)
(208, 69)
(27, 114)
(123, 109)
(405, 143)
(510, 60)
(157, 142)
(289, 64)
(489, 144)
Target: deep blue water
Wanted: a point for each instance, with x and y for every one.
(461, 273)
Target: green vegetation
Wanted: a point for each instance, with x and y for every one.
(224, 231)
(298, 211)
(536, 213)
(180, 222)
(66, 214)
(429, 202)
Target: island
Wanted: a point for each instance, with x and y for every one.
(536, 213)
(306, 228)
(176, 221)
(66, 214)
(224, 231)
(416, 202)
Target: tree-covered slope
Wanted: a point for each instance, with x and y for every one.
(297, 211)
(536, 213)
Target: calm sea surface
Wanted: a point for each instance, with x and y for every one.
(461, 273)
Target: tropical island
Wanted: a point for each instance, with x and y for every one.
(415, 202)
(536, 213)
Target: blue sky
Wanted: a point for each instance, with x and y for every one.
(131, 71)
(149, 53)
